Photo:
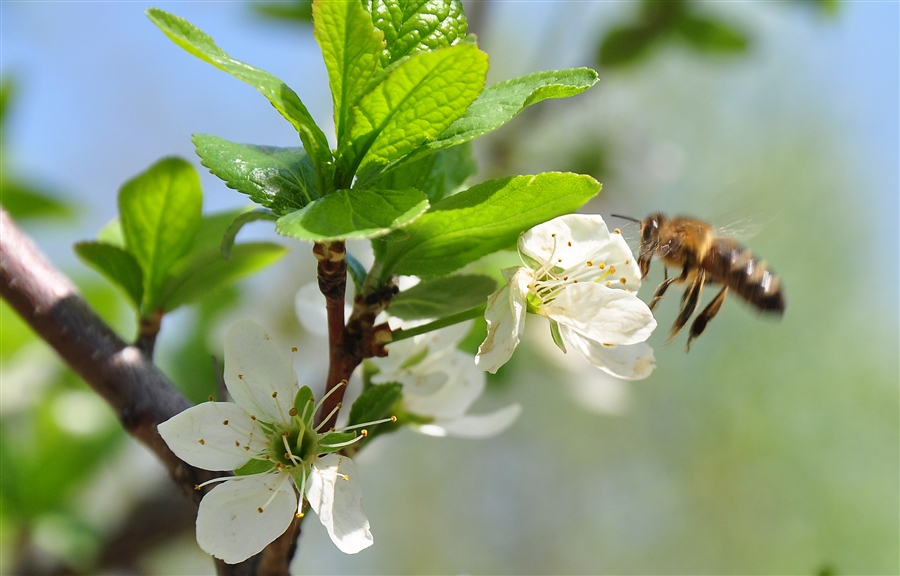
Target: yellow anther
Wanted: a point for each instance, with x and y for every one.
(202, 441)
(225, 422)
(260, 510)
(292, 412)
(617, 231)
(612, 269)
(275, 394)
(590, 262)
(623, 280)
(601, 265)
(293, 348)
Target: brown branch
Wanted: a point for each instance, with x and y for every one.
(332, 277)
(140, 394)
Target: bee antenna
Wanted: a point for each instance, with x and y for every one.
(626, 218)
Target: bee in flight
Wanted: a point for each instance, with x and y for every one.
(704, 256)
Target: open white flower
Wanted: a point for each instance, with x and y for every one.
(584, 280)
(440, 384)
(267, 438)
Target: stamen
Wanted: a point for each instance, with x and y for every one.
(382, 421)
(289, 455)
(214, 480)
(274, 493)
(330, 414)
(329, 393)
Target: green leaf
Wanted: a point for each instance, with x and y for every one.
(357, 272)
(374, 403)
(238, 222)
(626, 45)
(481, 220)
(556, 335)
(438, 174)
(409, 106)
(281, 179)
(417, 25)
(209, 271)
(160, 216)
(498, 104)
(7, 91)
(23, 201)
(291, 11)
(335, 441)
(351, 47)
(354, 214)
(254, 467)
(442, 296)
(708, 35)
(201, 45)
(303, 401)
(117, 265)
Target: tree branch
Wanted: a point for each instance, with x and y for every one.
(140, 394)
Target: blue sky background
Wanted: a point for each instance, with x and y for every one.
(768, 437)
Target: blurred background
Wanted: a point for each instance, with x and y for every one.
(772, 448)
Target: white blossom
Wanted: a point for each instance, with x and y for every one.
(440, 384)
(584, 279)
(269, 440)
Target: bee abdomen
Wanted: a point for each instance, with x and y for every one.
(734, 266)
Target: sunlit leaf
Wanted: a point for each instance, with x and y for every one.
(160, 216)
(482, 220)
(354, 214)
(281, 179)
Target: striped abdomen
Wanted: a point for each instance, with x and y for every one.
(729, 263)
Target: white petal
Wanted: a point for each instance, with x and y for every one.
(571, 240)
(309, 305)
(230, 525)
(601, 314)
(338, 502)
(505, 315)
(633, 362)
(258, 376)
(474, 425)
(214, 436)
(463, 383)
(566, 240)
(428, 348)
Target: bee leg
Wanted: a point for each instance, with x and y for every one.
(665, 286)
(660, 291)
(708, 314)
(691, 297)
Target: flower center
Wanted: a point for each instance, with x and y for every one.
(550, 278)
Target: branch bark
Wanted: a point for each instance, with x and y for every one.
(137, 390)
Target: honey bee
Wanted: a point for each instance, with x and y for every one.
(704, 257)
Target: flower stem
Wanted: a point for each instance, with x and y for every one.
(440, 323)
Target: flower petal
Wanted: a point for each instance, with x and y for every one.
(334, 494)
(426, 351)
(309, 305)
(505, 315)
(474, 425)
(570, 241)
(632, 362)
(258, 376)
(462, 384)
(214, 436)
(238, 518)
(601, 314)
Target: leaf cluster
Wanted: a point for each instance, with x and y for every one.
(161, 251)
(407, 86)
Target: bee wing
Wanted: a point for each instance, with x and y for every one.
(744, 229)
